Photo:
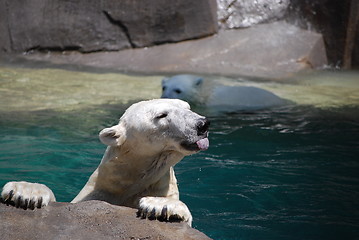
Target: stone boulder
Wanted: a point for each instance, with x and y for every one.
(87, 220)
(102, 25)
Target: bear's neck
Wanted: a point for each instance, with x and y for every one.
(120, 170)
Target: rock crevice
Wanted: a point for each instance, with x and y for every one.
(92, 25)
(121, 25)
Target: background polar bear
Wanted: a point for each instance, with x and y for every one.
(198, 91)
(137, 167)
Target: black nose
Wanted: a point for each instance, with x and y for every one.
(202, 126)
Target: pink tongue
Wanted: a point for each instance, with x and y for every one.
(203, 144)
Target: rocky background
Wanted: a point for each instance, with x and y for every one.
(102, 25)
(107, 25)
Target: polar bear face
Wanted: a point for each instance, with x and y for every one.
(159, 125)
(181, 87)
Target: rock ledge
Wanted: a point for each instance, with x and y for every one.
(87, 220)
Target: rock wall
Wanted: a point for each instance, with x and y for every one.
(88, 220)
(102, 25)
(109, 25)
(272, 51)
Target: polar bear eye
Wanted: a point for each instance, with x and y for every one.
(178, 91)
(162, 115)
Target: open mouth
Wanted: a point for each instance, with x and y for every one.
(200, 145)
(202, 132)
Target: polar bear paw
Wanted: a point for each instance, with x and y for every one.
(164, 209)
(26, 195)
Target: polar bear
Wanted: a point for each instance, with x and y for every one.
(198, 91)
(137, 167)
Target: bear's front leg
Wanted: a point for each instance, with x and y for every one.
(27, 195)
(164, 209)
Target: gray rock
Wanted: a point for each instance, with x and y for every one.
(149, 22)
(318, 15)
(58, 25)
(243, 13)
(87, 220)
(97, 25)
(274, 50)
(5, 44)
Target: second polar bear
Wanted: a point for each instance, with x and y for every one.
(137, 167)
(198, 91)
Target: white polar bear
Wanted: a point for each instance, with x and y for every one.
(198, 91)
(137, 167)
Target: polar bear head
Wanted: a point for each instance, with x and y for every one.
(182, 86)
(159, 125)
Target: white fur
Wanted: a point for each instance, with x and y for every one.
(137, 167)
(212, 94)
(27, 195)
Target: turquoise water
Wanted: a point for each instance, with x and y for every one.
(290, 173)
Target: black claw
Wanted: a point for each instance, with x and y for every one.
(164, 213)
(26, 203)
(32, 204)
(39, 203)
(9, 196)
(152, 215)
(8, 199)
(18, 202)
(175, 218)
(138, 214)
(144, 213)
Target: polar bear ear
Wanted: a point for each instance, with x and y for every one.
(114, 136)
(165, 80)
(199, 81)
